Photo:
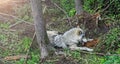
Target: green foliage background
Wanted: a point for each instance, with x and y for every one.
(111, 39)
(111, 7)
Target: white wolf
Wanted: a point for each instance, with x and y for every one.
(69, 39)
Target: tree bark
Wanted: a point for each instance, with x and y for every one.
(78, 6)
(40, 29)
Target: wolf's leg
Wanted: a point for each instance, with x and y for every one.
(74, 47)
(85, 39)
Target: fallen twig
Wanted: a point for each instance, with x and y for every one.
(17, 57)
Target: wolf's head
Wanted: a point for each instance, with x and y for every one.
(80, 33)
(81, 36)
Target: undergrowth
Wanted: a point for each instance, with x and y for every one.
(110, 41)
(12, 45)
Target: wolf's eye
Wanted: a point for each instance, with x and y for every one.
(79, 32)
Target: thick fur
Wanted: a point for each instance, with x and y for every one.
(69, 39)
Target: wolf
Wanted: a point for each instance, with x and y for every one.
(69, 39)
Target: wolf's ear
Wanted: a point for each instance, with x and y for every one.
(78, 32)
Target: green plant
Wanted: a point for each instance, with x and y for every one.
(24, 44)
(67, 5)
(118, 50)
(5, 25)
(21, 61)
(112, 40)
(87, 5)
(72, 12)
(114, 59)
(34, 58)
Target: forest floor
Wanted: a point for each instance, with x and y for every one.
(16, 37)
(15, 40)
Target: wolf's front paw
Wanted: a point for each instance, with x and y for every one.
(90, 50)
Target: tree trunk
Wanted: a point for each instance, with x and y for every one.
(78, 6)
(40, 28)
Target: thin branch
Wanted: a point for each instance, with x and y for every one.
(61, 9)
(64, 12)
(107, 6)
(44, 9)
(96, 10)
(20, 20)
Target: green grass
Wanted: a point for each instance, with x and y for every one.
(16, 47)
(34, 59)
(5, 25)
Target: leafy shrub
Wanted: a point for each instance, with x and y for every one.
(24, 44)
(110, 41)
(72, 12)
(34, 58)
(106, 7)
(68, 6)
(114, 59)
